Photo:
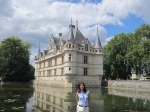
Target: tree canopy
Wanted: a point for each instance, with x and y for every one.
(128, 51)
(14, 60)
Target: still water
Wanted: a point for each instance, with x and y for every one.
(47, 99)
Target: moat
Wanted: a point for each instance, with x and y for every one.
(48, 99)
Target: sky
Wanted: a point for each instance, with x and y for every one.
(35, 21)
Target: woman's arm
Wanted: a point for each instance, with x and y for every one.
(77, 97)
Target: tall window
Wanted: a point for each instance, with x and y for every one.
(85, 71)
(62, 71)
(55, 72)
(50, 63)
(40, 73)
(47, 97)
(39, 65)
(86, 47)
(49, 73)
(47, 106)
(85, 59)
(62, 59)
(69, 57)
(55, 61)
(69, 45)
(43, 73)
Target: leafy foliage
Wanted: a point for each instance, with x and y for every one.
(14, 60)
(128, 51)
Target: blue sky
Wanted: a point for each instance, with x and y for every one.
(130, 25)
(35, 20)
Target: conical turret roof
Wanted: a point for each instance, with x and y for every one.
(97, 42)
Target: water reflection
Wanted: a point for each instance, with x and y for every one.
(63, 100)
(130, 101)
(102, 100)
(15, 98)
(47, 99)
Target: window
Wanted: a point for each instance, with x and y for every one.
(96, 50)
(82, 49)
(43, 73)
(73, 46)
(54, 99)
(85, 59)
(62, 59)
(42, 96)
(69, 69)
(40, 74)
(99, 50)
(86, 47)
(47, 97)
(41, 105)
(66, 46)
(69, 45)
(50, 63)
(85, 71)
(47, 106)
(49, 73)
(69, 57)
(54, 71)
(62, 71)
(55, 61)
(93, 50)
(79, 48)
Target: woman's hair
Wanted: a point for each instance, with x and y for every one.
(84, 89)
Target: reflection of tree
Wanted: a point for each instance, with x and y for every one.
(114, 103)
(14, 99)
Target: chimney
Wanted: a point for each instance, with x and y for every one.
(72, 26)
(60, 34)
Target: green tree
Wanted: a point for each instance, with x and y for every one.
(126, 51)
(14, 60)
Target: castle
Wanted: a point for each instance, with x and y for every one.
(70, 59)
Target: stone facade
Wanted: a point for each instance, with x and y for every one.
(69, 59)
(129, 84)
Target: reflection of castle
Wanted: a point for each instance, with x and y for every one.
(52, 100)
(49, 99)
(69, 59)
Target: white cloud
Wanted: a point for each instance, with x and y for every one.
(36, 20)
(108, 39)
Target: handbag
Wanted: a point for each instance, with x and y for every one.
(80, 109)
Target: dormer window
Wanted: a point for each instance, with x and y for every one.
(86, 47)
(69, 57)
(69, 45)
(66, 46)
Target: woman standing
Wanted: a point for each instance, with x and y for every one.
(82, 98)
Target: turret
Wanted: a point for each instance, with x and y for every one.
(71, 36)
(97, 42)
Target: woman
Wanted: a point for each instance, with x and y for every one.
(82, 98)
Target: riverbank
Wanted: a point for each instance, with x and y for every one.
(16, 83)
(127, 84)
